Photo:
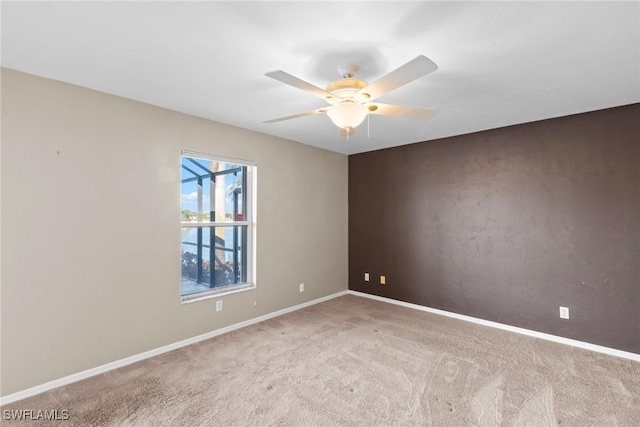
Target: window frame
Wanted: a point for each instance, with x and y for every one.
(248, 221)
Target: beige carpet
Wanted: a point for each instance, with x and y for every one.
(355, 361)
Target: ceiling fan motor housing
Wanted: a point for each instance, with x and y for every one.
(346, 90)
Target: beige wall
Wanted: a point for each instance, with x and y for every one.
(90, 227)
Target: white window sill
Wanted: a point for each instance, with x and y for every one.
(216, 293)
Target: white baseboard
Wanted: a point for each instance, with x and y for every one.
(541, 335)
(147, 354)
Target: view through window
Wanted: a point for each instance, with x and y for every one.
(216, 226)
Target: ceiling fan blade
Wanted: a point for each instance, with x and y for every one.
(412, 70)
(295, 116)
(287, 78)
(401, 111)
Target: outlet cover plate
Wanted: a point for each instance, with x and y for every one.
(301, 287)
(564, 312)
(219, 305)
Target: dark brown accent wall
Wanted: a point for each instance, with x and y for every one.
(509, 224)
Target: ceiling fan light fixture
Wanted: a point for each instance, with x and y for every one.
(350, 98)
(347, 114)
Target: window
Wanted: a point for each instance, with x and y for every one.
(218, 225)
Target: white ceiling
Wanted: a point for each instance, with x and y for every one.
(500, 63)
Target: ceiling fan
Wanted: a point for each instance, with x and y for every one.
(351, 99)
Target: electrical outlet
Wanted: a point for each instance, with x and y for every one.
(564, 312)
(301, 287)
(366, 277)
(219, 305)
(383, 280)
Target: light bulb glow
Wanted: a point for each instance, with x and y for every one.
(347, 114)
